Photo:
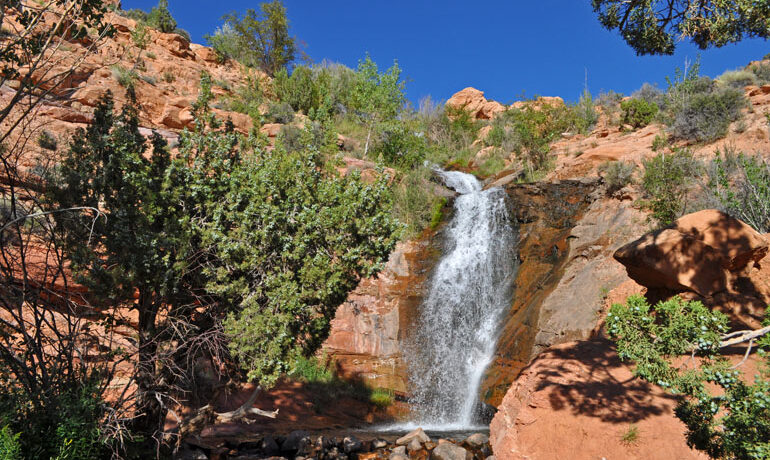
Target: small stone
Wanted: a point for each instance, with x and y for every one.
(448, 451)
(414, 445)
(401, 450)
(294, 441)
(395, 456)
(418, 433)
(379, 444)
(351, 444)
(477, 440)
(268, 446)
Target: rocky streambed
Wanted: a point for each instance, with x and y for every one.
(302, 445)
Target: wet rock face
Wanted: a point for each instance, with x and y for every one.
(568, 232)
(366, 332)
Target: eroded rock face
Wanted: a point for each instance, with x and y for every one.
(366, 331)
(474, 102)
(700, 252)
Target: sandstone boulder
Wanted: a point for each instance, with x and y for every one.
(696, 253)
(417, 434)
(474, 102)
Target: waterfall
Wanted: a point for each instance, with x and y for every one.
(453, 339)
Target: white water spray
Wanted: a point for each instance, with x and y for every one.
(454, 337)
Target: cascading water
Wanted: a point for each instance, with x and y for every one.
(454, 337)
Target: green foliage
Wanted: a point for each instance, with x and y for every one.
(666, 183)
(257, 39)
(328, 231)
(609, 99)
(64, 424)
(732, 422)
(492, 165)
(247, 98)
(10, 447)
(300, 90)
(160, 18)
(437, 212)
(280, 113)
(586, 112)
(376, 97)
(169, 77)
(140, 36)
(738, 78)
(698, 109)
(414, 200)
(400, 146)
(761, 71)
(652, 95)
(652, 26)
(741, 183)
(638, 112)
(707, 116)
(617, 174)
(47, 141)
(312, 370)
(535, 126)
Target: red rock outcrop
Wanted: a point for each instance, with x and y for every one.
(473, 101)
(700, 252)
(367, 328)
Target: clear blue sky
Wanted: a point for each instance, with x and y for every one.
(503, 48)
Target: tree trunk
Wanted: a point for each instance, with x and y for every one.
(368, 136)
(150, 411)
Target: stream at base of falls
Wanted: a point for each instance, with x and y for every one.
(453, 339)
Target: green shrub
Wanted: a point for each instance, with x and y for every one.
(65, 426)
(638, 112)
(247, 98)
(300, 90)
(10, 447)
(652, 95)
(617, 174)
(737, 78)
(609, 99)
(631, 435)
(47, 141)
(136, 14)
(585, 110)
(496, 136)
(666, 182)
(160, 18)
(280, 112)
(659, 143)
(762, 72)
(535, 126)
(400, 146)
(169, 77)
(140, 36)
(707, 114)
(741, 183)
